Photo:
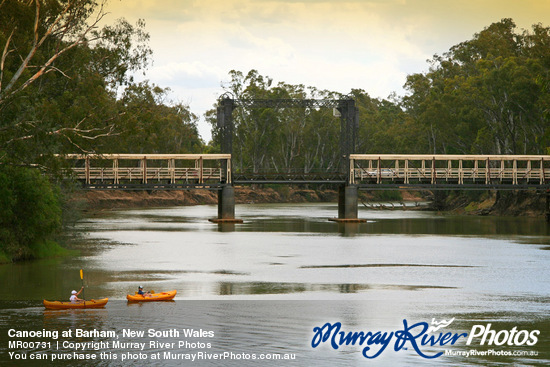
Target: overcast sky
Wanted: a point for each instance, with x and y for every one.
(335, 45)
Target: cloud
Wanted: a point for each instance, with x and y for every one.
(191, 75)
(335, 45)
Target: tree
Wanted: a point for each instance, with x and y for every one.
(29, 212)
(486, 95)
(59, 77)
(152, 125)
(280, 139)
(59, 74)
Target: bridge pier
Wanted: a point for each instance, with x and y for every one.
(348, 196)
(347, 202)
(226, 202)
(226, 206)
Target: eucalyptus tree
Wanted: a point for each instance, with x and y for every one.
(280, 139)
(488, 94)
(59, 74)
(153, 124)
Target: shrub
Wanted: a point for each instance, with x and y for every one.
(30, 212)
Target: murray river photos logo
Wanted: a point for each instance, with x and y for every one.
(419, 336)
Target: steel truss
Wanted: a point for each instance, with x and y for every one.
(349, 120)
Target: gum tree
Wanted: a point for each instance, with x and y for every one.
(59, 73)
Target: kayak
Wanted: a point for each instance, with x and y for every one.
(58, 305)
(162, 296)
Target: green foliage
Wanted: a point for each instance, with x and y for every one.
(4, 258)
(65, 106)
(149, 125)
(60, 78)
(282, 139)
(50, 249)
(30, 212)
(488, 95)
(385, 127)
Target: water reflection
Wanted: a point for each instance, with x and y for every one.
(287, 288)
(349, 229)
(293, 269)
(226, 227)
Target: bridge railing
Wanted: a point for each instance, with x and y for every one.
(408, 169)
(150, 169)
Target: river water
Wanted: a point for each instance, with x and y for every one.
(257, 290)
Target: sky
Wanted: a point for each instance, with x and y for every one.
(330, 45)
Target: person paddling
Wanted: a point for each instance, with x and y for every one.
(74, 296)
(141, 292)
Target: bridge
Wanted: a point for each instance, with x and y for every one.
(365, 172)
(438, 171)
(149, 171)
(354, 171)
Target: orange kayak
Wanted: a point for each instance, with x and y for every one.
(58, 305)
(162, 296)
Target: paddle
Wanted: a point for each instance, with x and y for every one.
(82, 279)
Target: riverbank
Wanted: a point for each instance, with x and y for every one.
(94, 200)
(499, 203)
(115, 199)
(527, 204)
(78, 203)
(508, 203)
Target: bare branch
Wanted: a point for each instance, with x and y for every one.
(77, 146)
(78, 133)
(88, 134)
(19, 124)
(31, 53)
(56, 26)
(53, 68)
(82, 133)
(4, 55)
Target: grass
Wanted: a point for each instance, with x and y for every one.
(47, 249)
(4, 259)
(51, 249)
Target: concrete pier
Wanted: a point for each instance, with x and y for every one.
(226, 206)
(347, 204)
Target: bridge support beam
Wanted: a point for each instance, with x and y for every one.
(347, 202)
(226, 206)
(348, 196)
(226, 202)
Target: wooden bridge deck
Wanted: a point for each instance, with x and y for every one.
(461, 171)
(134, 171)
(372, 171)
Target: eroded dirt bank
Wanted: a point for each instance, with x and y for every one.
(504, 203)
(510, 203)
(110, 199)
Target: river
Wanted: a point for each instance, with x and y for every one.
(253, 292)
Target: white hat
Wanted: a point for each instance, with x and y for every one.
(73, 292)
